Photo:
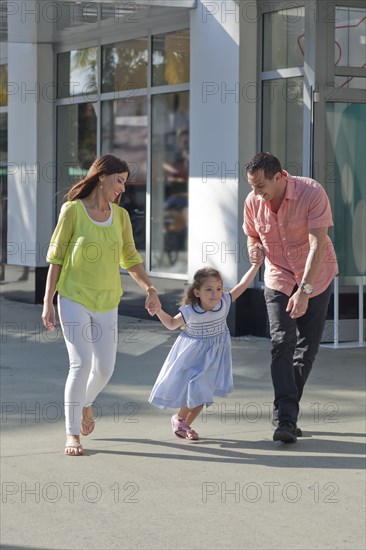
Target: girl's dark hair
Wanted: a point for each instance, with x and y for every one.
(198, 280)
(266, 162)
(106, 165)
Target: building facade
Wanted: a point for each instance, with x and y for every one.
(186, 91)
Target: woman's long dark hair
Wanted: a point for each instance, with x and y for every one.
(107, 164)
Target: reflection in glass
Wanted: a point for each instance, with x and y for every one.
(170, 58)
(169, 182)
(346, 144)
(282, 117)
(350, 82)
(76, 145)
(3, 191)
(124, 133)
(3, 85)
(350, 32)
(3, 137)
(283, 39)
(124, 65)
(77, 73)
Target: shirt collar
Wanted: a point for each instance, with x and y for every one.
(290, 193)
(198, 309)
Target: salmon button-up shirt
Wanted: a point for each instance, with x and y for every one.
(285, 234)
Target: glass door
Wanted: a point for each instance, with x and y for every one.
(346, 146)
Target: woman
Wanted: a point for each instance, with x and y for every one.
(93, 237)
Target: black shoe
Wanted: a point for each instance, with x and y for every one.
(286, 433)
(275, 422)
(298, 430)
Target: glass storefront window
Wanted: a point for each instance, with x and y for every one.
(170, 58)
(350, 33)
(125, 134)
(3, 85)
(134, 127)
(346, 145)
(3, 137)
(124, 65)
(283, 39)
(169, 182)
(77, 73)
(3, 191)
(76, 145)
(282, 126)
(350, 82)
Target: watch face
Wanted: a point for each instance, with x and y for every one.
(307, 288)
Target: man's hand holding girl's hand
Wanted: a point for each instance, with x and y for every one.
(256, 254)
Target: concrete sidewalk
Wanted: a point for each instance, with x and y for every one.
(139, 487)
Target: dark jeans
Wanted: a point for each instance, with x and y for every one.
(295, 343)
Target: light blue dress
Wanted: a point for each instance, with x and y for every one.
(199, 365)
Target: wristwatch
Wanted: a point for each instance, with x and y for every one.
(307, 288)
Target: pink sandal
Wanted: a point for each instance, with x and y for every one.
(180, 425)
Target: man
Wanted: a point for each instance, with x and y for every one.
(289, 216)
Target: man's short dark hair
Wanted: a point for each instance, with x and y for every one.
(266, 162)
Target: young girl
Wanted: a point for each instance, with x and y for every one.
(199, 364)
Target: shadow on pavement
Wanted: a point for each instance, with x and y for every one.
(230, 452)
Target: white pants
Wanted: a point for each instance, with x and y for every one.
(91, 340)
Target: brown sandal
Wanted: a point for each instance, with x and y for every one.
(87, 426)
(78, 447)
(87, 422)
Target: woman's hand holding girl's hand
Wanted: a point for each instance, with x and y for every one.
(155, 310)
(152, 303)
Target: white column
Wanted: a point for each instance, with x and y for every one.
(31, 131)
(222, 134)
